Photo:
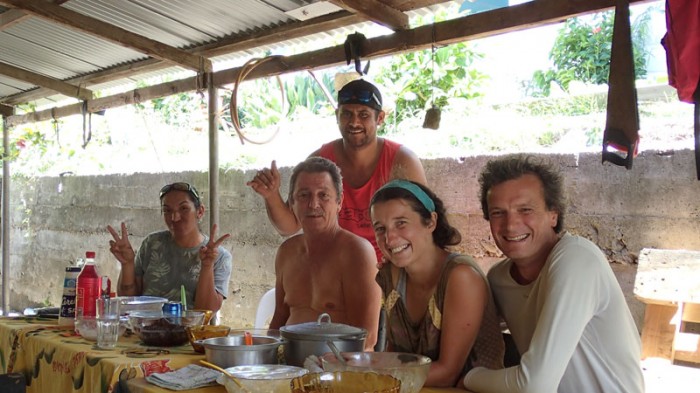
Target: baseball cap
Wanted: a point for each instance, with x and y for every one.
(361, 92)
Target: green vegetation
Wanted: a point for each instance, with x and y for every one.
(581, 52)
(170, 133)
(428, 78)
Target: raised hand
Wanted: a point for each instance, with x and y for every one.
(120, 247)
(267, 181)
(210, 251)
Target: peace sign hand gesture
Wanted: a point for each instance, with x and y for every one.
(120, 247)
(210, 251)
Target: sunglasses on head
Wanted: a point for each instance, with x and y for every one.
(363, 96)
(182, 186)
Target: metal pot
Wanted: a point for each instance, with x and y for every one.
(311, 338)
(231, 351)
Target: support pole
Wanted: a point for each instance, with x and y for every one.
(213, 149)
(5, 219)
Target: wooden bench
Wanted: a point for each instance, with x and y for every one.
(668, 282)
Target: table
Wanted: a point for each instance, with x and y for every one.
(56, 360)
(666, 278)
(139, 385)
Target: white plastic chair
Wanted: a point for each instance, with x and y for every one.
(266, 309)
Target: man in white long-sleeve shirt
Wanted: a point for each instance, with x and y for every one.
(556, 292)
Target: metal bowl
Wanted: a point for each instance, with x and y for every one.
(410, 369)
(263, 378)
(231, 351)
(129, 304)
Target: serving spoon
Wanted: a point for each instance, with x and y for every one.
(336, 352)
(226, 373)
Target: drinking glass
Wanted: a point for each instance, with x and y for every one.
(107, 315)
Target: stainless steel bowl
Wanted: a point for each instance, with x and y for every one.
(231, 351)
(261, 378)
(129, 304)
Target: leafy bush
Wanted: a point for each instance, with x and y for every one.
(582, 49)
(417, 83)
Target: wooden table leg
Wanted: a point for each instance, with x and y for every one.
(658, 331)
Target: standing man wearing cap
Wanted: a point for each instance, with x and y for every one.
(366, 163)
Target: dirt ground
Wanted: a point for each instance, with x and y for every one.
(663, 377)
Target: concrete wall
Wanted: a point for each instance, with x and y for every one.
(55, 220)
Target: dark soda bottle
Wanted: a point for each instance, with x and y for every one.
(87, 288)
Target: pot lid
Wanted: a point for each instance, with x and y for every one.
(322, 329)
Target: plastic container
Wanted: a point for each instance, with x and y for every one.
(88, 288)
(66, 316)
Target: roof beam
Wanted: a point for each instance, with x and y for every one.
(6, 110)
(376, 12)
(470, 27)
(12, 16)
(225, 46)
(50, 83)
(117, 35)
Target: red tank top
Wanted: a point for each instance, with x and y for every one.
(354, 213)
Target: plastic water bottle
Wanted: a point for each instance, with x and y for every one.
(66, 316)
(105, 287)
(88, 288)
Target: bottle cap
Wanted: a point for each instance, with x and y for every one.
(90, 254)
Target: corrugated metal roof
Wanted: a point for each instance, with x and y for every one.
(63, 53)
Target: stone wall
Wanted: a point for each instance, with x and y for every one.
(55, 220)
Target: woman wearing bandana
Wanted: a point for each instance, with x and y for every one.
(438, 303)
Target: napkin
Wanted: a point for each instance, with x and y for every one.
(313, 364)
(188, 377)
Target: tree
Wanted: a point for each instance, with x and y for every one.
(582, 49)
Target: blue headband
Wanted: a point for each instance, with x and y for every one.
(416, 191)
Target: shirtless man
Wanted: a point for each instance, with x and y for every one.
(366, 161)
(325, 269)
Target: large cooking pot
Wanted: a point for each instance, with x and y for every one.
(311, 338)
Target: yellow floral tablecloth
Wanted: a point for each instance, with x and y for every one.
(140, 385)
(56, 360)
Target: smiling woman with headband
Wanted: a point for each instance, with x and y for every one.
(438, 304)
(180, 256)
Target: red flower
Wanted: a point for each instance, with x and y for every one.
(155, 366)
(21, 144)
(596, 30)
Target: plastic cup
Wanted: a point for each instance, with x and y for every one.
(107, 315)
